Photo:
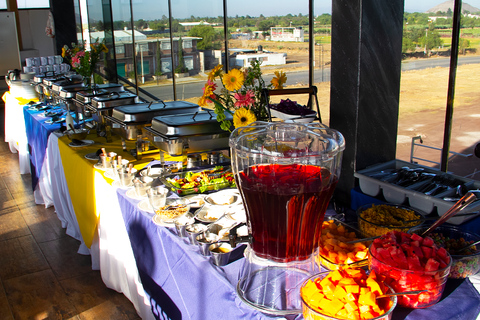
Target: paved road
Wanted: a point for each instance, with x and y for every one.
(189, 88)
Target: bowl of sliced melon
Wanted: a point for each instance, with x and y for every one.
(346, 294)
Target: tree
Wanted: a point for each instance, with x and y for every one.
(140, 24)
(431, 40)
(407, 45)
(181, 61)
(463, 44)
(177, 27)
(158, 70)
(210, 38)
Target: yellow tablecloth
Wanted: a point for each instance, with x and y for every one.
(79, 173)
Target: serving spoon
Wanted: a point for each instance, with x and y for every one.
(400, 293)
(468, 198)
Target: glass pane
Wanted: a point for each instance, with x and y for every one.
(424, 86)
(198, 38)
(123, 40)
(30, 4)
(152, 50)
(3, 4)
(322, 56)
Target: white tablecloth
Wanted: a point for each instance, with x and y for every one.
(111, 249)
(15, 134)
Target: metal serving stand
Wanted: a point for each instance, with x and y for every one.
(101, 106)
(128, 121)
(84, 97)
(189, 134)
(311, 91)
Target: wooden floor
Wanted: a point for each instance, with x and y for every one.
(41, 274)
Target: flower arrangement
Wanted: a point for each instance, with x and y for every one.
(82, 61)
(241, 94)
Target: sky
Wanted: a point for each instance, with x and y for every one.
(212, 8)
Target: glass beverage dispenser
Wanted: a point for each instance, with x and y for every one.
(286, 174)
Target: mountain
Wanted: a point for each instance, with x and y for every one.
(443, 7)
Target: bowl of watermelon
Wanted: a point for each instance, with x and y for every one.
(410, 262)
(346, 294)
(465, 263)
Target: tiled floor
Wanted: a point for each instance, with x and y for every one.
(41, 274)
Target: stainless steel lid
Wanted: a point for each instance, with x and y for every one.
(142, 113)
(198, 123)
(85, 96)
(68, 92)
(113, 99)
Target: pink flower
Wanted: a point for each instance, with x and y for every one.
(76, 62)
(245, 100)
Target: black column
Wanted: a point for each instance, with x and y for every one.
(365, 83)
(65, 28)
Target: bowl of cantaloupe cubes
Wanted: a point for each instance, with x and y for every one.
(346, 294)
(340, 246)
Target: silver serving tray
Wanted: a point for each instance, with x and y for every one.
(113, 100)
(199, 123)
(143, 113)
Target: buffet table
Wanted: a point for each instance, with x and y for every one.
(15, 129)
(162, 274)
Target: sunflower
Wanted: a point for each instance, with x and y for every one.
(233, 80)
(279, 79)
(215, 72)
(243, 117)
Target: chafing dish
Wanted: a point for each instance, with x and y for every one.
(188, 133)
(101, 106)
(84, 97)
(127, 121)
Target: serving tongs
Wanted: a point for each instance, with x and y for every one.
(467, 199)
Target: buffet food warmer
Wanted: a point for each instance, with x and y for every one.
(189, 133)
(84, 97)
(128, 121)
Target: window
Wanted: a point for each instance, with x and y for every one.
(166, 45)
(166, 65)
(30, 4)
(120, 49)
(187, 44)
(189, 63)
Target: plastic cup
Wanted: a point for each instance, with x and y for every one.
(125, 178)
(141, 186)
(157, 196)
(106, 160)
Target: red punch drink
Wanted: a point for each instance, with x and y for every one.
(285, 205)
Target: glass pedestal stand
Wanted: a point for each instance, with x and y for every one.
(273, 287)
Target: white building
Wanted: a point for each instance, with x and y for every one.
(243, 57)
(287, 34)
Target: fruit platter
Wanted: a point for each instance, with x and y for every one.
(200, 181)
